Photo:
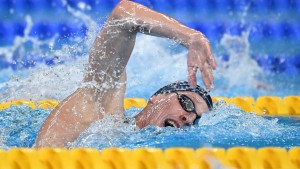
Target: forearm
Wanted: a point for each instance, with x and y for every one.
(113, 46)
(135, 17)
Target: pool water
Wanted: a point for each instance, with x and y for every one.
(253, 44)
(237, 76)
(227, 126)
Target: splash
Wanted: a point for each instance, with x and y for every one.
(44, 83)
(18, 49)
(234, 119)
(91, 24)
(155, 62)
(41, 81)
(240, 69)
(226, 126)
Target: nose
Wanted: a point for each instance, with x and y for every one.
(188, 118)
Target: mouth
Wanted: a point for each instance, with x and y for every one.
(171, 123)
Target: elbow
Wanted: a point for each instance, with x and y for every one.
(122, 10)
(124, 16)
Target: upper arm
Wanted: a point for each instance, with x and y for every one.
(72, 116)
(111, 51)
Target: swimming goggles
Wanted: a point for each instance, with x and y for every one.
(184, 86)
(188, 105)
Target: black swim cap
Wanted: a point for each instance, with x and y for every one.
(184, 86)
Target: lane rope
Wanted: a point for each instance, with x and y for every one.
(263, 105)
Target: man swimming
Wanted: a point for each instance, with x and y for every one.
(177, 105)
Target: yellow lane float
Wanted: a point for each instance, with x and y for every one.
(263, 105)
(151, 158)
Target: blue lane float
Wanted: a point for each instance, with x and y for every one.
(213, 30)
(6, 33)
(279, 30)
(258, 6)
(287, 64)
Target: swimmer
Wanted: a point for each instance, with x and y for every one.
(102, 93)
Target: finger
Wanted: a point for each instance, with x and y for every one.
(206, 80)
(209, 56)
(213, 62)
(192, 76)
(207, 76)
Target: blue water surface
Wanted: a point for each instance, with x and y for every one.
(226, 126)
(58, 35)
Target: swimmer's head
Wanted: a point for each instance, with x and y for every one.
(184, 86)
(176, 105)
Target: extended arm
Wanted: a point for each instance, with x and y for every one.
(118, 37)
(108, 58)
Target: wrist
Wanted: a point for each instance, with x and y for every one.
(195, 37)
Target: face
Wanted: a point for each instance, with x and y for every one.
(166, 110)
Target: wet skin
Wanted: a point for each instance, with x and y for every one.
(107, 62)
(165, 110)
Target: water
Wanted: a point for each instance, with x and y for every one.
(144, 78)
(154, 63)
(226, 126)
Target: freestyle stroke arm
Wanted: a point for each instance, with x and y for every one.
(103, 81)
(126, 20)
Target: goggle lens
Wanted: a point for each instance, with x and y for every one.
(188, 105)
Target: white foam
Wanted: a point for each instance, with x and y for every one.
(154, 63)
(241, 68)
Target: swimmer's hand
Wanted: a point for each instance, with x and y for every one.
(200, 57)
(138, 18)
